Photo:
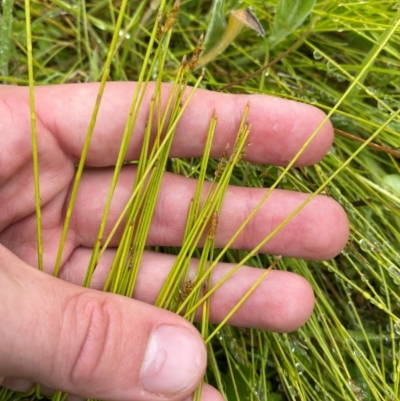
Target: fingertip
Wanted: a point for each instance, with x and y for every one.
(287, 301)
(323, 140)
(281, 127)
(174, 361)
(328, 229)
(299, 302)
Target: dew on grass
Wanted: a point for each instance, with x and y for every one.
(317, 55)
(339, 77)
(364, 245)
(299, 368)
(292, 391)
(396, 327)
(394, 272)
(371, 90)
(353, 386)
(330, 67)
(382, 105)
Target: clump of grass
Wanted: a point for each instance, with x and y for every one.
(348, 65)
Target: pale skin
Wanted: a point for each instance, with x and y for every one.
(92, 344)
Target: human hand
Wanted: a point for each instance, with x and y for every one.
(94, 344)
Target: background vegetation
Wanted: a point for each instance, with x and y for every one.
(348, 64)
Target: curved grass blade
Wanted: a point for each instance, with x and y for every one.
(34, 136)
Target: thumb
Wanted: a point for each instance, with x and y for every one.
(92, 344)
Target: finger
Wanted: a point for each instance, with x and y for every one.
(92, 344)
(318, 231)
(279, 126)
(282, 302)
(308, 235)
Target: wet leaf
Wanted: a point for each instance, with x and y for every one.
(290, 14)
(216, 26)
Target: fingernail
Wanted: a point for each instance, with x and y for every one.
(175, 358)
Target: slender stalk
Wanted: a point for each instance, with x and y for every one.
(35, 153)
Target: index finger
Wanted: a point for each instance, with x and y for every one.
(279, 127)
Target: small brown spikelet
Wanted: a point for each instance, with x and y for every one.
(170, 19)
(213, 225)
(160, 26)
(196, 53)
(186, 289)
(222, 163)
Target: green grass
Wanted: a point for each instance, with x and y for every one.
(349, 66)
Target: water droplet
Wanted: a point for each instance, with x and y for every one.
(299, 368)
(317, 55)
(267, 71)
(394, 272)
(340, 77)
(353, 387)
(371, 90)
(364, 245)
(330, 67)
(396, 327)
(382, 105)
(292, 391)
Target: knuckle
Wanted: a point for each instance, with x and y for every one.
(96, 319)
